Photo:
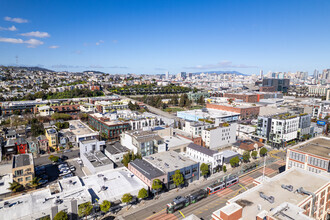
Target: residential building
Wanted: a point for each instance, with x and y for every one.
(304, 125)
(10, 149)
(22, 145)
(170, 161)
(214, 115)
(45, 111)
(143, 142)
(219, 137)
(115, 151)
(204, 155)
(247, 145)
(293, 194)
(195, 128)
(106, 106)
(52, 137)
(87, 108)
(112, 129)
(245, 110)
(43, 143)
(23, 168)
(313, 155)
(80, 131)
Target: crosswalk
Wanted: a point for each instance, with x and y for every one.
(163, 216)
(224, 192)
(268, 171)
(247, 180)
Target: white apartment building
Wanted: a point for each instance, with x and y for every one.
(45, 111)
(284, 128)
(196, 128)
(87, 107)
(204, 155)
(221, 136)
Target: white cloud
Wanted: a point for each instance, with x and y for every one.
(31, 43)
(36, 34)
(16, 20)
(54, 47)
(99, 42)
(12, 28)
(221, 64)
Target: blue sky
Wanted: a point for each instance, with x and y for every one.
(156, 36)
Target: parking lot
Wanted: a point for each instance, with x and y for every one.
(75, 162)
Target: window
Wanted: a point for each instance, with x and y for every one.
(20, 180)
(194, 169)
(187, 172)
(18, 172)
(28, 178)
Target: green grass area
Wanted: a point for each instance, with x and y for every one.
(196, 107)
(173, 109)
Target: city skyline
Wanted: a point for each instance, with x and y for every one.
(152, 37)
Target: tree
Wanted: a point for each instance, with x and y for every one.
(263, 151)
(224, 169)
(143, 193)
(234, 161)
(246, 156)
(127, 198)
(35, 182)
(157, 185)
(105, 206)
(85, 209)
(57, 116)
(205, 169)
(201, 100)
(53, 158)
(178, 178)
(62, 215)
(15, 187)
(254, 154)
(37, 127)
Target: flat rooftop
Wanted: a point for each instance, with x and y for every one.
(173, 141)
(212, 113)
(116, 183)
(169, 161)
(79, 128)
(98, 159)
(34, 205)
(22, 160)
(115, 148)
(147, 169)
(319, 146)
(250, 200)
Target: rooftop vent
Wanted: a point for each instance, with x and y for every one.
(100, 175)
(270, 199)
(287, 187)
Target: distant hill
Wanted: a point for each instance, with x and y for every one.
(221, 72)
(30, 68)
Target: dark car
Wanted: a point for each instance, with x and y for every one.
(64, 157)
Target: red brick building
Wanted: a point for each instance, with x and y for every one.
(245, 111)
(245, 97)
(267, 89)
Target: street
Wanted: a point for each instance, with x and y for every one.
(205, 207)
(43, 159)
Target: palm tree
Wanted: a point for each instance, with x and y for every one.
(35, 182)
(15, 186)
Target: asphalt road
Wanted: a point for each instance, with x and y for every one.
(204, 208)
(43, 159)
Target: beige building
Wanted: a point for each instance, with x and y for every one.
(23, 168)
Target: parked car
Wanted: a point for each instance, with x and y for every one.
(72, 168)
(68, 175)
(63, 157)
(67, 151)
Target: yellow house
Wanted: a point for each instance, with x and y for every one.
(52, 136)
